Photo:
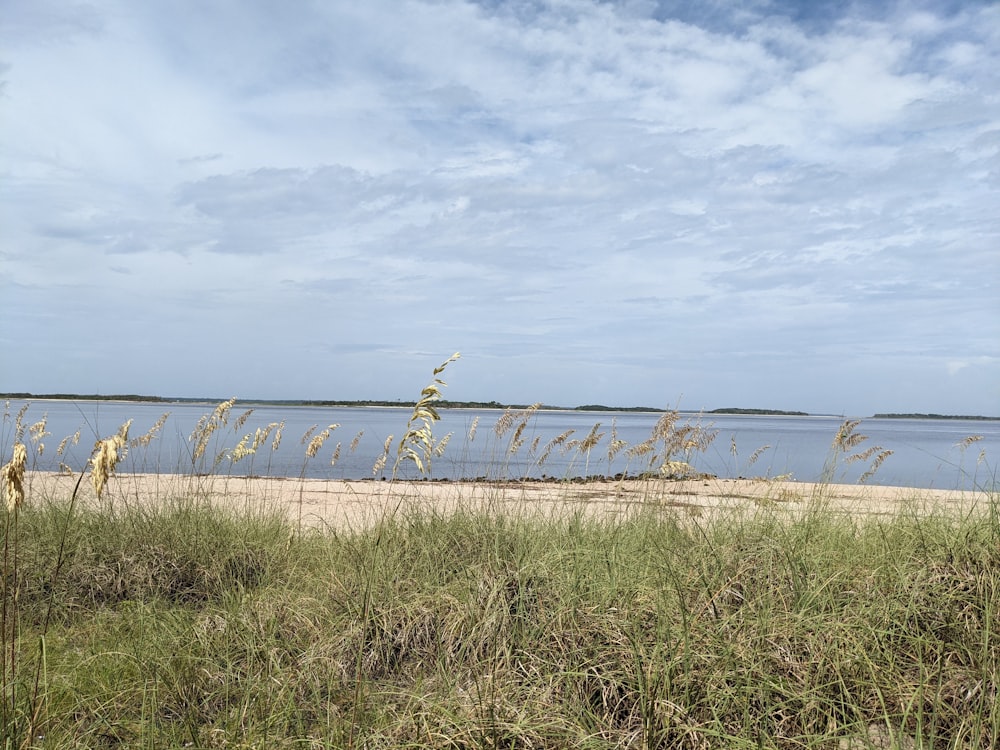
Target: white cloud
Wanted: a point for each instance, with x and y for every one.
(557, 188)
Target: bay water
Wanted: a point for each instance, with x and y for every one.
(927, 453)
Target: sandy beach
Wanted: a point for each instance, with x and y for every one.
(343, 504)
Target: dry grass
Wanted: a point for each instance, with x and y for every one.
(847, 440)
(12, 476)
(187, 625)
(107, 454)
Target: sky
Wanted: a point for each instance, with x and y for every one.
(751, 203)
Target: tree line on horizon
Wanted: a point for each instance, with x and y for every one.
(446, 404)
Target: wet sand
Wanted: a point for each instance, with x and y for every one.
(345, 504)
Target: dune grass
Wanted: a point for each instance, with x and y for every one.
(184, 624)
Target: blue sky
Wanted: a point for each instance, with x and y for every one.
(695, 204)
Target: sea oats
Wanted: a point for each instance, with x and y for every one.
(261, 434)
(616, 445)
(12, 474)
(882, 456)
(19, 426)
(519, 418)
(846, 439)
(107, 454)
(202, 443)
(145, 440)
(641, 449)
(756, 455)
(317, 442)
(442, 445)
(504, 424)
(73, 439)
(592, 439)
(242, 449)
(557, 441)
(221, 413)
(705, 439)
(380, 461)
(242, 420)
(966, 442)
(38, 433)
(853, 441)
(518, 438)
(417, 443)
(690, 438)
(668, 439)
(336, 455)
(276, 443)
(472, 429)
(676, 469)
(356, 441)
(199, 428)
(665, 425)
(562, 437)
(314, 445)
(260, 437)
(207, 425)
(863, 455)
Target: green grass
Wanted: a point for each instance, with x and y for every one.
(188, 626)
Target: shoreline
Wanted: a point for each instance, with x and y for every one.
(346, 504)
(459, 406)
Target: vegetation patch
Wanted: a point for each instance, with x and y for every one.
(185, 627)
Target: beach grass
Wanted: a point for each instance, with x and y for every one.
(189, 626)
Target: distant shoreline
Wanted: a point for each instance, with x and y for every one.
(961, 417)
(446, 404)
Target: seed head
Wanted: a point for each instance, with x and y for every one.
(317, 442)
(276, 442)
(106, 457)
(12, 474)
(356, 440)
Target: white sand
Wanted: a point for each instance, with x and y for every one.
(344, 504)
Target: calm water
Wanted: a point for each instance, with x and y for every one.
(927, 453)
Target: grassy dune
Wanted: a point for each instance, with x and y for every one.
(184, 624)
